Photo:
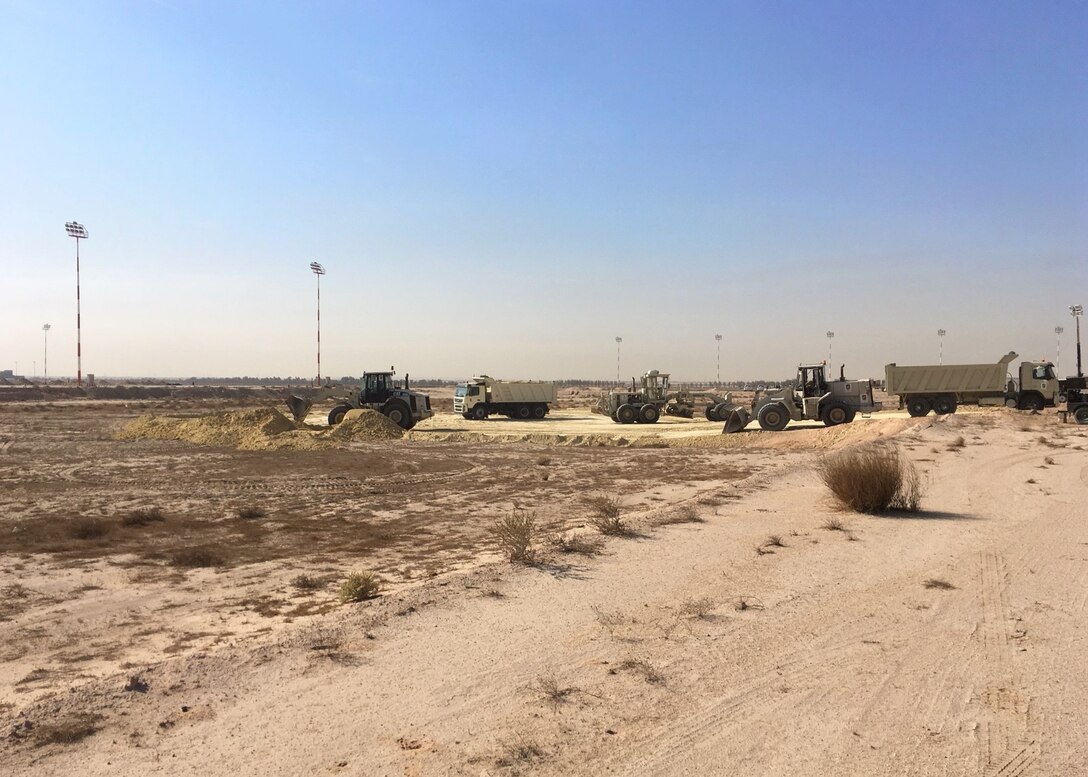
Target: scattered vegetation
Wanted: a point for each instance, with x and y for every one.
(515, 534)
(641, 667)
(360, 586)
(700, 609)
(307, 583)
(872, 479)
(67, 731)
(745, 602)
(607, 516)
(685, 514)
(611, 620)
(520, 751)
(88, 528)
(576, 543)
(938, 583)
(250, 512)
(196, 558)
(959, 442)
(552, 691)
(774, 541)
(143, 516)
(834, 524)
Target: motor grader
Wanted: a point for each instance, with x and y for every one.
(813, 397)
(646, 401)
(377, 391)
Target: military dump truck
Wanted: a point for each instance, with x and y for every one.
(646, 402)
(943, 388)
(813, 398)
(483, 396)
(377, 391)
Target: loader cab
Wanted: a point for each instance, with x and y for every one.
(811, 381)
(377, 387)
(656, 385)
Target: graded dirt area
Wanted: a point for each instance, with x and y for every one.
(169, 606)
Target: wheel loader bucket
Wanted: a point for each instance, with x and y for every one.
(735, 419)
(299, 406)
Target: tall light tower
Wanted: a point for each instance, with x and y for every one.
(940, 347)
(79, 232)
(830, 337)
(318, 271)
(1076, 311)
(1058, 355)
(718, 338)
(619, 340)
(45, 336)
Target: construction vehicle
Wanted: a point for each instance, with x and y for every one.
(942, 388)
(482, 396)
(646, 402)
(813, 397)
(377, 391)
(1075, 391)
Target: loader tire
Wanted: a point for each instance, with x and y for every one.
(711, 413)
(626, 414)
(648, 414)
(773, 417)
(336, 415)
(834, 413)
(1080, 415)
(398, 412)
(918, 406)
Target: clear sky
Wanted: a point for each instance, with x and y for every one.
(507, 186)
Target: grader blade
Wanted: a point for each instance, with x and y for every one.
(735, 419)
(299, 406)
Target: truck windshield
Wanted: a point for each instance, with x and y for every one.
(461, 390)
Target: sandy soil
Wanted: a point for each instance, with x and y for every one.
(946, 642)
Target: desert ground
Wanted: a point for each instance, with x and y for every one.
(170, 606)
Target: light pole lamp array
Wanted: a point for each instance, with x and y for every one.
(1058, 353)
(718, 339)
(940, 347)
(619, 340)
(1076, 311)
(45, 354)
(318, 270)
(830, 337)
(79, 232)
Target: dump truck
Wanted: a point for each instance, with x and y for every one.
(377, 391)
(645, 402)
(812, 398)
(942, 388)
(483, 396)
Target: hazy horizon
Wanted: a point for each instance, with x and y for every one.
(506, 188)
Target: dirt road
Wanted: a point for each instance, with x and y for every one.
(945, 643)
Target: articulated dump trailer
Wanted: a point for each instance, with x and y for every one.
(942, 388)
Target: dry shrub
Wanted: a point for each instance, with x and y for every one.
(515, 534)
(607, 516)
(308, 583)
(360, 586)
(938, 583)
(834, 524)
(638, 666)
(959, 442)
(67, 731)
(552, 691)
(88, 528)
(774, 541)
(250, 512)
(576, 543)
(519, 751)
(196, 558)
(143, 516)
(685, 514)
(872, 479)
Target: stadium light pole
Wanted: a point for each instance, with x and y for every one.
(940, 348)
(718, 338)
(79, 232)
(45, 352)
(619, 340)
(830, 337)
(1076, 311)
(1058, 354)
(318, 270)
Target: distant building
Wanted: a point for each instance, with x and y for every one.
(7, 373)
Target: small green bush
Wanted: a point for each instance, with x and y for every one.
(360, 586)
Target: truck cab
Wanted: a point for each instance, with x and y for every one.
(1038, 386)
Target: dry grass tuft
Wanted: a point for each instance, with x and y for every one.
(88, 528)
(834, 524)
(308, 583)
(196, 558)
(959, 442)
(553, 692)
(872, 479)
(250, 512)
(143, 516)
(576, 543)
(520, 751)
(774, 541)
(701, 609)
(685, 514)
(640, 667)
(515, 534)
(360, 586)
(938, 583)
(67, 731)
(611, 620)
(607, 516)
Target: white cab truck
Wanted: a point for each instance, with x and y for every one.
(942, 388)
(482, 396)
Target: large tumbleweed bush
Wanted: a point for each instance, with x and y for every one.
(872, 479)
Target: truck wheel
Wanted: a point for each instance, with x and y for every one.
(648, 414)
(1031, 402)
(336, 415)
(397, 412)
(834, 413)
(539, 411)
(773, 417)
(944, 405)
(479, 413)
(851, 413)
(918, 406)
(1080, 415)
(711, 413)
(626, 414)
(523, 412)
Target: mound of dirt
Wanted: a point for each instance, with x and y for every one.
(361, 425)
(242, 429)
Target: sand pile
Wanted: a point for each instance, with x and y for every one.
(361, 425)
(243, 429)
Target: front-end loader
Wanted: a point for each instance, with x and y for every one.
(377, 391)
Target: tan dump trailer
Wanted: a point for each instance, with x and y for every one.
(942, 388)
(483, 396)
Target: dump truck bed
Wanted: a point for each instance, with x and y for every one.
(522, 391)
(948, 378)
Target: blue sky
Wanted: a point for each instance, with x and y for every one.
(505, 187)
